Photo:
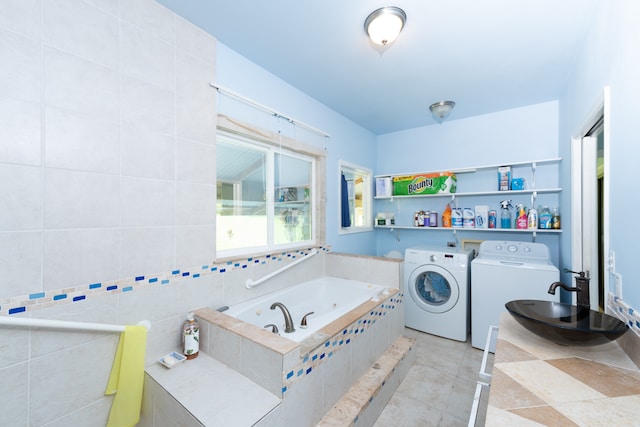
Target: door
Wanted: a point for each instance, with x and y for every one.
(590, 238)
(433, 289)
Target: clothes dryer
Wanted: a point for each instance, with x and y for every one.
(437, 291)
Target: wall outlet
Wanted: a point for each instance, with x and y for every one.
(618, 277)
(612, 261)
(451, 244)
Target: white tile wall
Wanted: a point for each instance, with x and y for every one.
(153, 19)
(147, 154)
(81, 199)
(147, 250)
(20, 67)
(14, 399)
(78, 256)
(81, 29)
(72, 378)
(20, 197)
(146, 58)
(21, 254)
(94, 143)
(77, 84)
(20, 131)
(190, 166)
(147, 202)
(22, 16)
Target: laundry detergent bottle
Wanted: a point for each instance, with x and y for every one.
(521, 217)
(505, 215)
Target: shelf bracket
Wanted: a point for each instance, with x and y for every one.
(395, 233)
(533, 237)
(534, 196)
(455, 237)
(533, 174)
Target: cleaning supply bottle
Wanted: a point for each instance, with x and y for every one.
(532, 218)
(545, 218)
(505, 215)
(521, 217)
(555, 219)
(191, 337)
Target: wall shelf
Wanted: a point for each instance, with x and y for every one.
(476, 193)
(481, 182)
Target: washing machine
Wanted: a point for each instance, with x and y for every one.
(437, 291)
(504, 271)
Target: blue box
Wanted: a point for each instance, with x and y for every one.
(517, 183)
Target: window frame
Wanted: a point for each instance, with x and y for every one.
(367, 199)
(283, 146)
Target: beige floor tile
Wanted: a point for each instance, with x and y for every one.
(438, 390)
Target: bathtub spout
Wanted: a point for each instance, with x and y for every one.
(288, 328)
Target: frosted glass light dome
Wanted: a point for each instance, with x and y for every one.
(384, 25)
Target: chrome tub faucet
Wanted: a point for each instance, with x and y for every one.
(288, 323)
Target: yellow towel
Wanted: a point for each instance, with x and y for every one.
(127, 377)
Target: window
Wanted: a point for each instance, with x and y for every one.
(264, 196)
(355, 198)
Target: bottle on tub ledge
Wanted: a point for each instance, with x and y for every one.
(191, 337)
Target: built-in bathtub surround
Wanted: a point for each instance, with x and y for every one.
(297, 359)
(312, 375)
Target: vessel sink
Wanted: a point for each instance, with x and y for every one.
(566, 324)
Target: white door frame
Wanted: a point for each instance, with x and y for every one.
(601, 108)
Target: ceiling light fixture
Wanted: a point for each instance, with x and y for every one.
(383, 25)
(440, 110)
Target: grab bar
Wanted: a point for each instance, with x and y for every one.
(64, 324)
(251, 283)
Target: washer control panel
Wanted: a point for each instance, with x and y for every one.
(512, 249)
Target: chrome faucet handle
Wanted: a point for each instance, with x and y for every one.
(303, 323)
(274, 328)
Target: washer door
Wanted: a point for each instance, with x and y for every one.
(433, 288)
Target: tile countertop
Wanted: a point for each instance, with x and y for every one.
(538, 383)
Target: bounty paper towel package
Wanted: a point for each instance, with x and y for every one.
(431, 183)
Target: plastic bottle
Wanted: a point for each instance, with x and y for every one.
(555, 219)
(191, 337)
(521, 217)
(505, 215)
(532, 218)
(545, 218)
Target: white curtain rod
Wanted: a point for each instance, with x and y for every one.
(267, 109)
(63, 324)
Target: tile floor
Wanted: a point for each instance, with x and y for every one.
(439, 388)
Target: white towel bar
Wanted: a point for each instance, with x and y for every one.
(251, 283)
(64, 324)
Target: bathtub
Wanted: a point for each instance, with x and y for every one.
(327, 297)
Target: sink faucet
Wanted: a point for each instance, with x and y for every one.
(581, 289)
(288, 323)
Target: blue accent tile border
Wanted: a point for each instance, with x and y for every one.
(39, 300)
(339, 341)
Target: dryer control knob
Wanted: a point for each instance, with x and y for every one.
(433, 258)
(512, 248)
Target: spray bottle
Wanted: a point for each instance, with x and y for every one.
(521, 217)
(505, 215)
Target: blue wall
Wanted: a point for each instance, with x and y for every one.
(517, 135)
(610, 56)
